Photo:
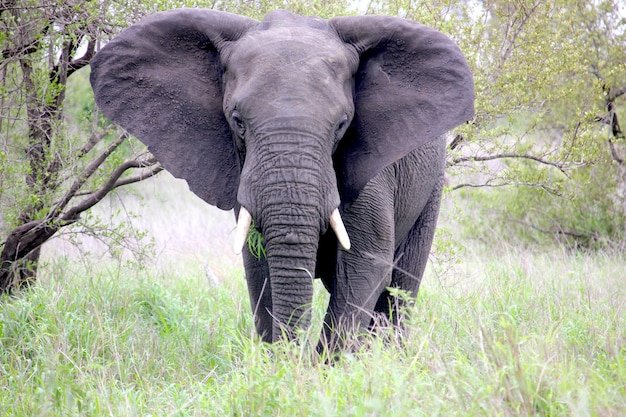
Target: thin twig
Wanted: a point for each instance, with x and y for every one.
(482, 158)
(507, 184)
(94, 139)
(557, 231)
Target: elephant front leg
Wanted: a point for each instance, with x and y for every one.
(411, 258)
(259, 289)
(364, 272)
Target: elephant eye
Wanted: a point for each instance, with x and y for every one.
(341, 128)
(237, 123)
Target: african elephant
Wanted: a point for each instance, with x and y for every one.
(297, 123)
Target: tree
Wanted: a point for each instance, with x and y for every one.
(550, 81)
(46, 169)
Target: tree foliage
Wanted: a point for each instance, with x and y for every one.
(545, 153)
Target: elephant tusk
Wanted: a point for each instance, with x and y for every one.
(340, 230)
(243, 226)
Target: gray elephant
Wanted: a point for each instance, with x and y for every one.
(297, 123)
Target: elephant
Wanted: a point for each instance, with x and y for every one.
(327, 135)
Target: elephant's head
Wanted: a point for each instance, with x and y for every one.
(288, 118)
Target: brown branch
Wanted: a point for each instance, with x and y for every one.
(6, 5)
(483, 158)
(20, 243)
(94, 198)
(511, 36)
(131, 180)
(93, 140)
(140, 177)
(488, 184)
(83, 61)
(58, 73)
(65, 68)
(611, 117)
(11, 6)
(614, 153)
(557, 231)
(572, 143)
(84, 176)
(456, 142)
(28, 237)
(27, 48)
(618, 93)
(616, 129)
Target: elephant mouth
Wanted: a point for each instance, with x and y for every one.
(245, 220)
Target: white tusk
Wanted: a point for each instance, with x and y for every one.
(340, 229)
(243, 226)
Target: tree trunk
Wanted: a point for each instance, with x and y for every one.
(20, 255)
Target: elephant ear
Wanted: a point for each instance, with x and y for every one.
(412, 85)
(160, 79)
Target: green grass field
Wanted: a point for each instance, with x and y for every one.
(504, 332)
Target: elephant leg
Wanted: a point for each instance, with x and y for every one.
(411, 258)
(363, 272)
(259, 290)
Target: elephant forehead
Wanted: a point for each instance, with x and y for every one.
(298, 47)
(284, 18)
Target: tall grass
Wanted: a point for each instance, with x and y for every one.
(505, 332)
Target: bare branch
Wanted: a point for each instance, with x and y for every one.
(85, 175)
(83, 61)
(559, 231)
(512, 34)
(616, 129)
(21, 50)
(456, 142)
(93, 140)
(94, 198)
(491, 184)
(142, 176)
(22, 240)
(27, 48)
(614, 153)
(482, 158)
(65, 68)
(611, 118)
(155, 169)
(572, 143)
(618, 93)
(7, 5)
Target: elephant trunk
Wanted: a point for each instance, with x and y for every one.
(291, 248)
(288, 186)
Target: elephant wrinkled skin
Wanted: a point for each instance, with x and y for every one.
(292, 121)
